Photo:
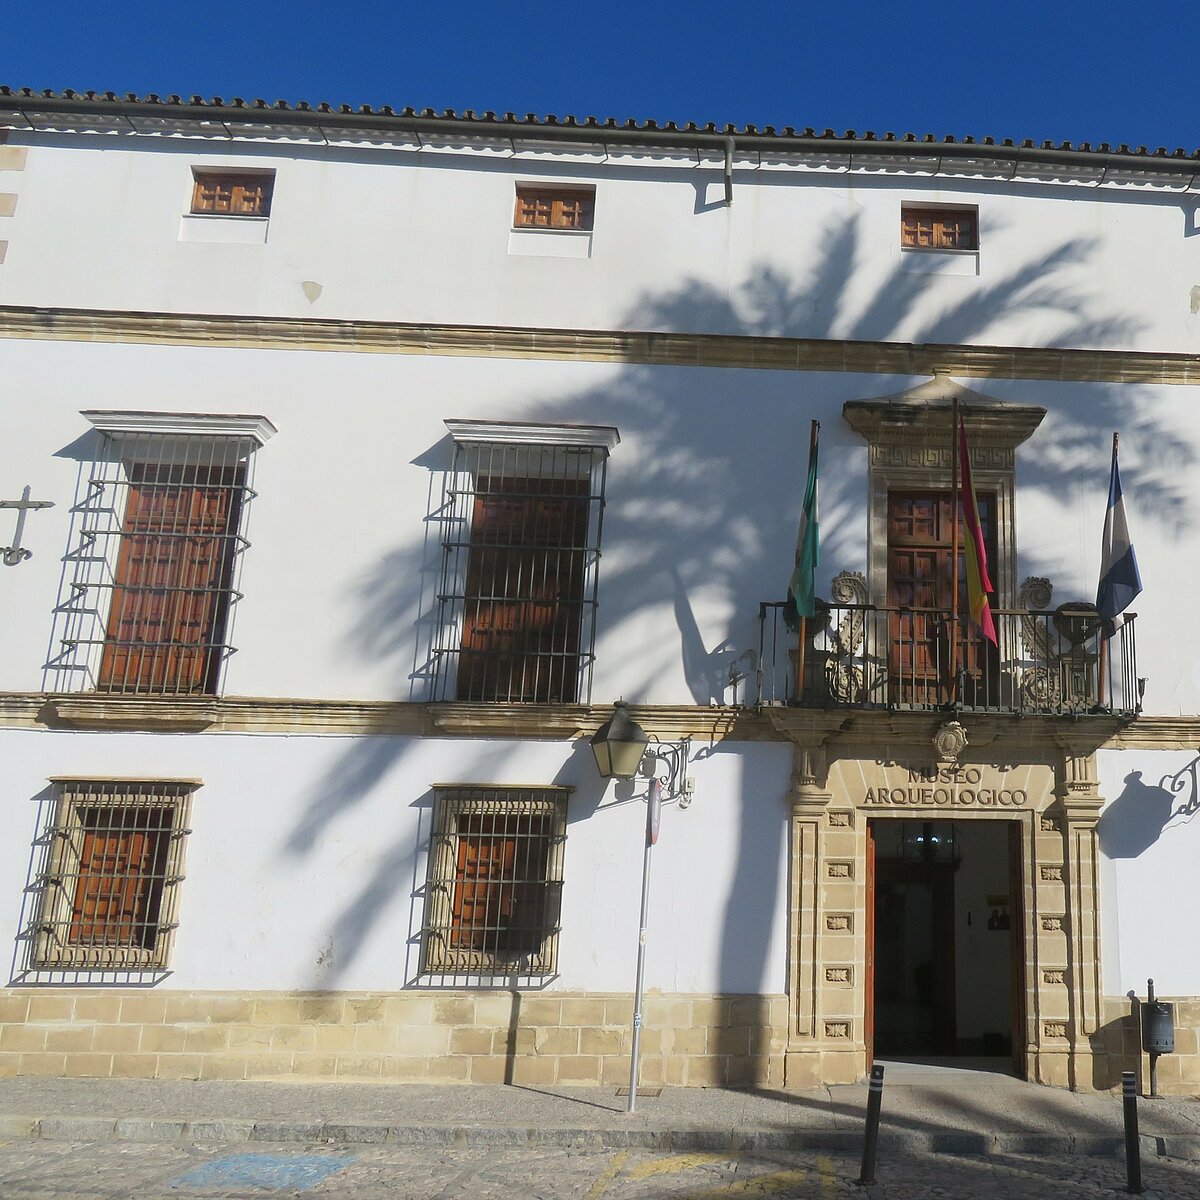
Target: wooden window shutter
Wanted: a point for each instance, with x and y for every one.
(524, 590)
(119, 885)
(173, 575)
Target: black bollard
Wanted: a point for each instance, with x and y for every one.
(1133, 1148)
(874, 1101)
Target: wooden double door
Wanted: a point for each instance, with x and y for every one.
(921, 569)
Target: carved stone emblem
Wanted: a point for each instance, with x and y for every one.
(949, 742)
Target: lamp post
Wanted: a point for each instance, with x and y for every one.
(619, 745)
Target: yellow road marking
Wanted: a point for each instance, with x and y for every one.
(757, 1185)
(677, 1162)
(600, 1186)
(828, 1176)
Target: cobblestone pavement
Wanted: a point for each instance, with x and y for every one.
(40, 1170)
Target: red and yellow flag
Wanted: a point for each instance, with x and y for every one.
(978, 582)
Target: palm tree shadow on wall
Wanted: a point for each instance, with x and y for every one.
(704, 506)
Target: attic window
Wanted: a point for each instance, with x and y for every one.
(540, 207)
(926, 228)
(230, 194)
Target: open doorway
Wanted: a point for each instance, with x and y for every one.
(945, 975)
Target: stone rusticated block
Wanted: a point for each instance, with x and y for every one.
(455, 1010)
(579, 1011)
(144, 1008)
(43, 1064)
(556, 1041)
(23, 1038)
(98, 1007)
(449, 1068)
(162, 1038)
(14, 1007)
(273, 1010)
(578, 1068)
(489, 1070)
(134, 1066)
(51, 1007)
(470, 1041)
(224, 1066)
(88, 1066)
(180, 1066)
(527, 1071)
(359, 1066)
(203, 1039)
(116, 1039)
(411, 1008)
(382, 1039)
(493, 1009)
(268, 1066)
(541, 1010)
(429, 1041)
(323, 1010)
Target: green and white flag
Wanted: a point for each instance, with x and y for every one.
(801, 594)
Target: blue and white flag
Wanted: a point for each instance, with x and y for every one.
(1120, 580)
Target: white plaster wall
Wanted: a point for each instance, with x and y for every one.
(703, 496)
(307, 857)
(1150, 887)
(424, 236)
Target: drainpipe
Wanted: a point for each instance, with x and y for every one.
(729, 147)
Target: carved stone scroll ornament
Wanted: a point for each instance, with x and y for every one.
(843, 675)
(1041, 680)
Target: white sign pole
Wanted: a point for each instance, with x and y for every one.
(653, 811)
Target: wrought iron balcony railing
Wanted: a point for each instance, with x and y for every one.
(864, 656)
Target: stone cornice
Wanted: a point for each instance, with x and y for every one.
(599, 345)
(255, 714)
(860, 731)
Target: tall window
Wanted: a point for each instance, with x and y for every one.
(159, 534)
(920, 597)
(113, 865)
(173, 582)
(495, 880)
(521, 552)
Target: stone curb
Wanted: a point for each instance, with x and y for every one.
(713, 1140)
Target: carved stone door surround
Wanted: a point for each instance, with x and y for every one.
(909, 436)
(848, 768)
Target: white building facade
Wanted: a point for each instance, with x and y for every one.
(385, 451)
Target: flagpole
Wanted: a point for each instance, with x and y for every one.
(1104, 632)
(812, 445)
(955, 443)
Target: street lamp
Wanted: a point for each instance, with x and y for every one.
(619, 745)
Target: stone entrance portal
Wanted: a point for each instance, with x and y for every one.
(883, 769)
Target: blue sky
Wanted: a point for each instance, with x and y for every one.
(1056, 69)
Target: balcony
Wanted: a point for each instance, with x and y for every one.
(857, 655)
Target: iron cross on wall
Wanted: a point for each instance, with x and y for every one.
(16, 553)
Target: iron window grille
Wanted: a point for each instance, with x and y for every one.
(112, 863)
(159, 530)
(494, 895)
(518, 591)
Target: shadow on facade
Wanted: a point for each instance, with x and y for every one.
(703, 499)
